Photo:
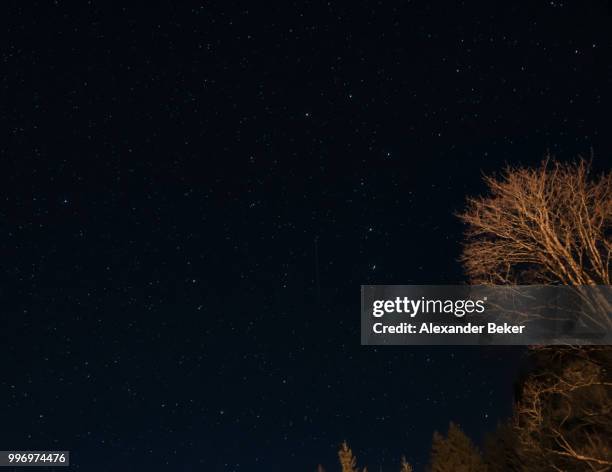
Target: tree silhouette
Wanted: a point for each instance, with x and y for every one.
(500, 450)
(454, 453)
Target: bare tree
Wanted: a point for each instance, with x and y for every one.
(546, 225)
(551, 225)
(563, 418)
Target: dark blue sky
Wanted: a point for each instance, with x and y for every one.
(167, 169)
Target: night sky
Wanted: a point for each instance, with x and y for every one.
(193, 194)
